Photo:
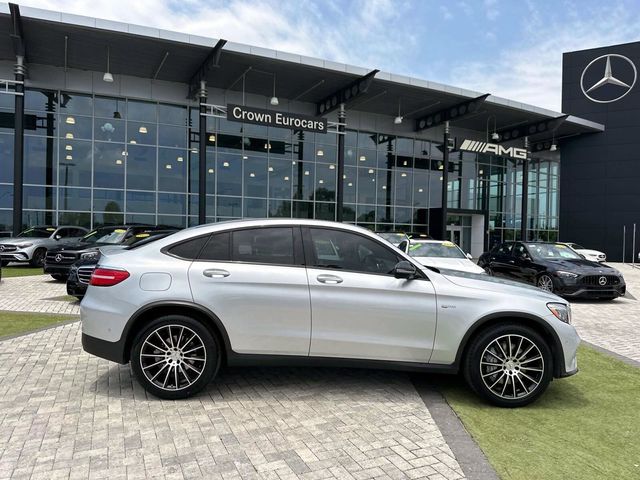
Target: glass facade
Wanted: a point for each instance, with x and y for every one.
(92, 160)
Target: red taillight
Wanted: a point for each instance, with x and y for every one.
(108, 277)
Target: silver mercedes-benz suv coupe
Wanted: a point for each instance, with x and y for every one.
(31, 245)
(305, 292)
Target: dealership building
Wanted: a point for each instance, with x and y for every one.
(104, 122)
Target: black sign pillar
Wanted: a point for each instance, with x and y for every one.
(202, 155)
(18, 146)
(340, 184)
(525, 193)
(445, 180)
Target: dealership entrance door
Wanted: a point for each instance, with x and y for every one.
(467, 231)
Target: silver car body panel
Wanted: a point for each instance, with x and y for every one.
(286, 310)
(26, 254)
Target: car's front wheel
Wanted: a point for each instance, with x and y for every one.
(175, 357)
(38, 257)
(510, 365)
(545, 282)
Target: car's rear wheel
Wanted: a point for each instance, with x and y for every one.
(38, 257)
(545, 282)
(175, 357)
(487, 270)
(509, 365)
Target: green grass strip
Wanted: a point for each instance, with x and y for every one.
(584, 427)
(13, 323)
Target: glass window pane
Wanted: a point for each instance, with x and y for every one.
(280, 208)
(140, 218)
(141, 133)
(39, 160)
(263, 245)
(173, 203)
(255, 177)
(404, 185)
(326, 211)
(366, 185)
(326, 182)
(111, 201)
(75, 163)
(78, 199)
(6, 157)
(303, 180)
(109, 130)
(107, 218)
(141, 167)
(109, 164)
(172, 220)
(6, 196)
(172, 170)
(229, 207)
(172, 136)
(229, 174)
(141, 202)
(302, 209)
(38, 198)
(75, 126)
(190, 249)
(76, 103)
(37, 100)
(280, 179)
(74, 218)
(173, 114)
(142, 111)
(107, 107)
(255, 208)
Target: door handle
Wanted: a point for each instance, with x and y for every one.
(331, 279)
(216, 273)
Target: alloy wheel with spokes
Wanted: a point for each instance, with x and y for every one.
(175, 357)
(545, 282)
(510, 365)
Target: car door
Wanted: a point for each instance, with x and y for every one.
(500, 260)
(359, 309)
(525, 268)
(254, 280)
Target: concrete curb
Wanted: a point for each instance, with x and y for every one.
(470, 457)
(617, 356)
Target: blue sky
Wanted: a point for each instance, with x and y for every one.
(512, 48)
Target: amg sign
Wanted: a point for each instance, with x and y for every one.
(483, 147)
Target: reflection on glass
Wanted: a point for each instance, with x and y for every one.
(141, 167)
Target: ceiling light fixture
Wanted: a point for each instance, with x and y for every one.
(225, 164)
(349, 184)
(332, 167)
(68, 157)
(212, 138)
(70, 121)
(362, 158)
(270, 169)
(371, 170)
(398, 119)
(320, 182)
(168, 166)
(320, 152)
(179, 159)
(306, 172)
(118, 162)
(68, 148)
(142, 129)
(69, 135)
(252, 175)
(107, 77)
(286, 179)
(274, 100)
(211, 170)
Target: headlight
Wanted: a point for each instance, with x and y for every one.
(561, 311)
(562, 274)
(24, 245)
(89, 255)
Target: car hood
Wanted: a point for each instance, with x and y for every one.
(79, 246)
(17, 241)
(590, 252)
(461, 264)
(581, 266)
(482, 281)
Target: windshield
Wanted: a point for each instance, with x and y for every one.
(394, 238)
(37, 232)
(436, 250)
(550, 251)
(105, 235)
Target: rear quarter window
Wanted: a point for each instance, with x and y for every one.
(189, 249)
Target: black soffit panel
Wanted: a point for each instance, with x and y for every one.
(531, 129)
(346, 94)
(451, 113)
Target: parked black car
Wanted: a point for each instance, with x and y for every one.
(553, 267)
(80, 272)
(59, 260)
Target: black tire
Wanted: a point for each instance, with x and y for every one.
(79, 297)
(168, 357)
(545, 279)
(38, 257)
(488, 271)
(508, 386)
(61, 277)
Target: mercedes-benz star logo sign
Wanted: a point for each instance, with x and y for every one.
(623, 85)
(602, 281)
(1, 248)
(58, 258)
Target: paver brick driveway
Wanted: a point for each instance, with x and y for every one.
(66, 414)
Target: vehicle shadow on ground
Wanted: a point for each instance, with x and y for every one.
(312, 384)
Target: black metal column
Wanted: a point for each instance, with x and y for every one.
(525, 193)
(445, 180)
(18, 147)
(202, 156)
(340, 183)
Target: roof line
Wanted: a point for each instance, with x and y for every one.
(197, 40)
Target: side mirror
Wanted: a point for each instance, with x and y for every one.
(404, 269)
(57, 236)
(469, 256)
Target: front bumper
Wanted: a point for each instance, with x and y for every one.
(75, 288)
(587, 286)
(16, 256)
(54, 269)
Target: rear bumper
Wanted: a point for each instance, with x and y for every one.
(113, 351)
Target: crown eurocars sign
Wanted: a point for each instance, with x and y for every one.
(271, 118)
(495, 148)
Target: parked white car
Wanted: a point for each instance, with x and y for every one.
(245, 293)
(442, 254)
(593, 255)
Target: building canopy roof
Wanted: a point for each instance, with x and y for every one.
(60, 39)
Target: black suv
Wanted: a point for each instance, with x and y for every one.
(58, 261)
(553, 267)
